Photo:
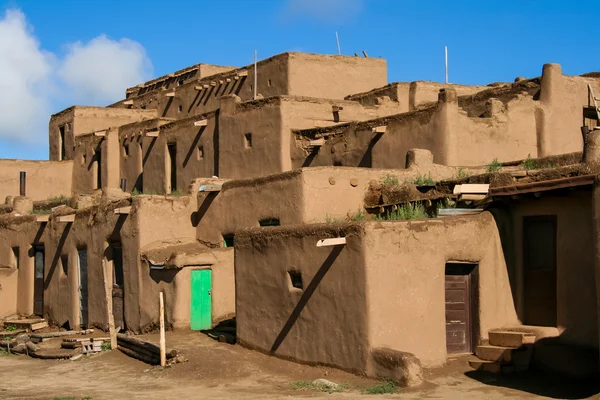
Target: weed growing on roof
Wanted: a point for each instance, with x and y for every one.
(304, 385)
(136, 192)
(177, 193)
(390, 180)
(528, 163)
(421, 180)
(60, 197)
(404, 212)
(40, 212)
(461, 174)
(494, 166)
(359, 215)
(10, 328)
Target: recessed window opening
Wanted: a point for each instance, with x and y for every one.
(269, 222)
(180, 108)
(200, 152)
(64, 260)
(16, 253)
(269, 82)
(228, 240)
(248, 140)
(296, 279)
(251, 88)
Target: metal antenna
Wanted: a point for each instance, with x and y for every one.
(255, 74)
(446, 52)
(337, 39)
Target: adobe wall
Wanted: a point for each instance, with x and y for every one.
(79, 120)
(333, 76)
(574, 262)
(405, 267)
(397, 92)
(596, 248)
(244, 203)
(176, 286)
(96, 162)
(45, 179)
(323, 323)
(160, 218)
(422, 93)
(560, 112)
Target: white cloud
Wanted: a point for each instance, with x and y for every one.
(34, 82)
(324, 10)
(100, 70)
(25, 80)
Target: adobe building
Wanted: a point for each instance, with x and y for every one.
(214, 184)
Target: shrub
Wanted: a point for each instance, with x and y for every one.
(421, 180)
(304, 385)
(10, 328)
(383, 388)
(359, 215)
(404, 213)
(390, 180)
(494, 166)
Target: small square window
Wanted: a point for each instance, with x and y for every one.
(269, 82)
(180, 108)
(296, 279)
(228, 240)
(248, 140)
(269, 222)
(200, 152)
(251, 88)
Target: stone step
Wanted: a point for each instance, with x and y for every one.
(494, 353)
(510, 338)
(491, 366)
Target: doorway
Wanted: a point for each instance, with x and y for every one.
(539, 270)
(201, 299)
(460, 298)
(82, 275)
(118, 286)
(172, 169)
(38, 288)
(98, 168)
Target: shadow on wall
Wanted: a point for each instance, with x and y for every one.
(194, 145)
(367, 160)
(148, 151)
(163, 275)
(197, 216)
(57, 254)
(306, 295)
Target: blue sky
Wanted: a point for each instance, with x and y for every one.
(88, 52)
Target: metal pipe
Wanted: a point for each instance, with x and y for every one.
(22, 183)
(255, 75)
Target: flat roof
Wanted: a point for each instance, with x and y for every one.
(543, 186)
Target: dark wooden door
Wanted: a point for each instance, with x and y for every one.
(38, 288)
(459, 303)
(118, 287)
(83, 287)
(539, 270)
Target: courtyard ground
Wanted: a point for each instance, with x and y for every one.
(222, 371)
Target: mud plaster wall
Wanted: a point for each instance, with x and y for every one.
(334, 76)
(576, 290)
(423, 92)
(560, 115)
(160, 218)
(44, 178)
(324, 323)
(96, 157)
(176, 285)
(239, 158)
(242, 204)
(405, 264)
(9, 281)
(84, 120)
(596, 235)
(397, 92)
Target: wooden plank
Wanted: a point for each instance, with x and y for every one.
(336, 108)
(152, 134)
(469, 196)
(66, 218)
(213, 84)
(242, 73)
(202, 122)
(553, 184)
(39, 325)
(471, 188)
(170, 94)
(100, 133)
(379, 129)
(317, 142)
(331, 242)
(42, 218)
(123, 210)
(128, 102)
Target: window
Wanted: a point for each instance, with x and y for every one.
(251, 88)
(180, 108)
(16, 260)
(269, 82)
(62, 142)
(200, 152)
(296, 279)
(269, 222)
(228, 240)
(248, 140)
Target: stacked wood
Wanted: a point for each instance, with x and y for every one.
(142, 350)
(41, 337)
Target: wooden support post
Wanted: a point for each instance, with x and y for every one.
(108, 301)
(152, 134)
(170, 94)
(66, 218)
(317, 142)
(336, 108)
(100, 133)
(42, 218)
(123, 210)
(243, 73)
(213, 84)
(163, 350)
(202, 122)
(128, 102)
(379, 129)
(228, 80)
(331, 242)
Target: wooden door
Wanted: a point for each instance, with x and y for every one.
(201, 300)
(38, 288)
(539, 270)
(83, 287)
(459, 308)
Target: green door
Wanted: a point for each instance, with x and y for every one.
(201, 302)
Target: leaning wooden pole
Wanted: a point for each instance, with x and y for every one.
(109, 309)
(163, 350)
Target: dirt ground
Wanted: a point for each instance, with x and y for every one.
(222, 371)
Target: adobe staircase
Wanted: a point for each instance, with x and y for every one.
(506, 352)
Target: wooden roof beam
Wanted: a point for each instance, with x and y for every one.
(202, 122)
